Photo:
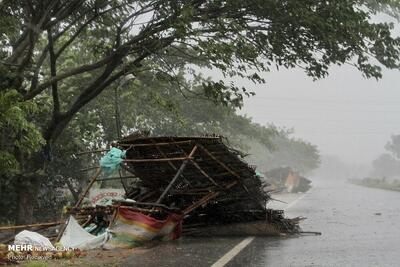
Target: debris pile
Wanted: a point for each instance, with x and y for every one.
(180, 185)
(202, 178)
(284, 179)
(199, 179)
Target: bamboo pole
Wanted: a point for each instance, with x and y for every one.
(230, 171)
(128, 203)
(116, 178)
(206, 198)
(198, 167)
(194, 190)
(114, 216)
(79, 202)
(156, 160)
(89, 168)
(14, 227)
(204, 173)
(147, 195)
(169, 162)
(157, 144)
(92, 151)
(219, 162)
(177, 175)
(165, 156)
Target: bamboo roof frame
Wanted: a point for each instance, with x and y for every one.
(167, 162)
(193, 143)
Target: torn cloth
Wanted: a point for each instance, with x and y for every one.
(111, 161)
(132, 228)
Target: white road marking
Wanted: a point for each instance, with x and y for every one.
(294, 202)
(233, 252)
(245, 242)
(297, 200)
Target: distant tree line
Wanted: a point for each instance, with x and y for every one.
(387, 165)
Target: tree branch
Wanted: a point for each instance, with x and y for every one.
(100, 83)
(33, 28)
(81, 28)
(78, 70)
(53, 72)
(43, 55)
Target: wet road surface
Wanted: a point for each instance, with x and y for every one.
(360, 227)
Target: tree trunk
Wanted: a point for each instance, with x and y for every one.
(27, 190)
(28, 184)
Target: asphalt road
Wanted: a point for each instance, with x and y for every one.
(360, 227)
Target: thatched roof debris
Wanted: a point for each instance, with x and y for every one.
(201, 176)
(285, 179)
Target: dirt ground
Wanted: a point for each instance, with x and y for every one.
(91, 258)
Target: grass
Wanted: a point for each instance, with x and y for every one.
(35, 264)
(6, 223)
(378, 183)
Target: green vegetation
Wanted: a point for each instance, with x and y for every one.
(386, 168)
(68, 68)
(378, 183)
(35, 264)
(388, 164)
(287, 151)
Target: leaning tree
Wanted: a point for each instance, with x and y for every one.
(120, 37)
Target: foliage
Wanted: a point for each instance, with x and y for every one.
(393, 145)
(378, 183)
(385, 166)
(18, 133)
(240, 38)
(61, 55)
(288, 151)
(388, 164)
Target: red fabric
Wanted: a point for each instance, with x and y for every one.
(173, 218)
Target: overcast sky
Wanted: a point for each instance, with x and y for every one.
(344, 114)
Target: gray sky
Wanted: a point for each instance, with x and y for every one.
(344, 114)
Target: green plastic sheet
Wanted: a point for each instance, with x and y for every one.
(112, 160)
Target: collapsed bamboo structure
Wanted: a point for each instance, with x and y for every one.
(199, 177)
(202, 177)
